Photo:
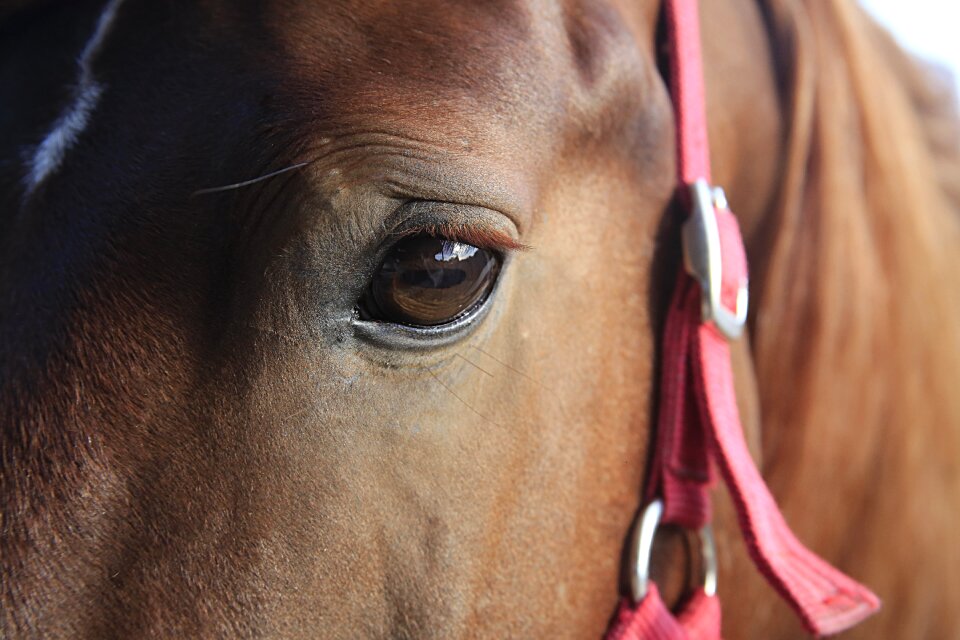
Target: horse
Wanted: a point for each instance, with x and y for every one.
(342, 319)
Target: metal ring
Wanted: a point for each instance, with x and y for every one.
(644, 532)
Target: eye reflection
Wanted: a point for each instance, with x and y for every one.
(453, 250)
(429, 281)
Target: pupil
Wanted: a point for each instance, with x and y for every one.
(434, 278)
(430, 281)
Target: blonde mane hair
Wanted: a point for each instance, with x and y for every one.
(857, 334)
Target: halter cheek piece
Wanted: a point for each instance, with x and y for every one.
(698, 428)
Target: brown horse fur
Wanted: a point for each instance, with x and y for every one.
(195, 443)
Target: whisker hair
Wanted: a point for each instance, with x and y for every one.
(247, 183)
(465, 403)
(471, 362)
(507, 366)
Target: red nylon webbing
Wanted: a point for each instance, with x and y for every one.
(687, 90)
(699, 424)
(651, 620)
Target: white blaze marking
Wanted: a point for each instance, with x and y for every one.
(50, 154)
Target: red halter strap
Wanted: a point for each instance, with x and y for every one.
(699, 424)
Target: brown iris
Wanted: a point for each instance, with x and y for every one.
(428, 281)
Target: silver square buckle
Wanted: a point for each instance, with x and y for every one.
(703, 260)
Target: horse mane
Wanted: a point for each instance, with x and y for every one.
(855, 328)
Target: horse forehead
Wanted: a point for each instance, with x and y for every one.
(404, 30)
(377, 53)
(373, 49)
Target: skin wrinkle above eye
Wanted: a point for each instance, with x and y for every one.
(385, 186)
(413, 169)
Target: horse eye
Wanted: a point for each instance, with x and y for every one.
(428, 281)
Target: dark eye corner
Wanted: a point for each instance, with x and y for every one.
(432, 276)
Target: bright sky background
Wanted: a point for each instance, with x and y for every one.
(929, 28)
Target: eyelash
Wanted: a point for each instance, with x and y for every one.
(480, 237)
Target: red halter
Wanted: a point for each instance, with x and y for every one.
(699, 425)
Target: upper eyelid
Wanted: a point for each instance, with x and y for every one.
(477, 225)
(481, 236)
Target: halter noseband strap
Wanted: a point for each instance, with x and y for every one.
(699, 425)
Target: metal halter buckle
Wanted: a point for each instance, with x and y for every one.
(643, 533)
(703, 260)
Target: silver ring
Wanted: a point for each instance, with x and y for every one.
(644, 532)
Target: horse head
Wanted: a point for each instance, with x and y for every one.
(341, 319)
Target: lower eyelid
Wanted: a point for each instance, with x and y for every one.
(394, 336)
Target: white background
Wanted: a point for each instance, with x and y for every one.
(929, 28)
